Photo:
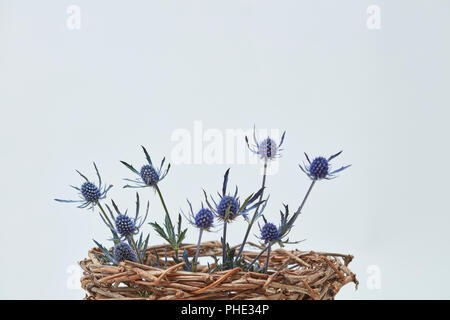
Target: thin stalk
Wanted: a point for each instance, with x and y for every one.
(162, 201)
(194, 263)
(259, 255)
(105, 215)
(307, 195)
(175, 248)
(292, 219)
(254, 215)
(268, 256)
(136, 249)
(224, 244)
(304, 199)
(177, 257)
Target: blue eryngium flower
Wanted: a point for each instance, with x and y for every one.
(124, 225)
(123, 251)
(320, 168)
(204, 219)
(90, 193)
(229, 208)
(149, 175)
(269, 232)
(267, 149)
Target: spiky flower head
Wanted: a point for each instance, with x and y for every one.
(90, 193)
(149, 176)
(269, 232)
(123, 251)
(229, 207)
(320, 168)
(125, 225)
(204, 219)
(267, 149)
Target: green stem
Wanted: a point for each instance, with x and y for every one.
(224, 244)
(175, 248)
(135, 248)
(259, 255)
(194, 263)
(304, 200)
(105, 215)
(254, 215)
(162, 201)
(292, 219)
(266, 268)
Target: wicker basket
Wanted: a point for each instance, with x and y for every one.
(293, 275)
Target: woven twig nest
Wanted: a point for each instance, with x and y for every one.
(292, 275)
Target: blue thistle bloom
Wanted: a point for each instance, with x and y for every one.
(126, 226)
(123, 251)
(268, 149)
(204, 219)
(229, 208)
(230, 204)
(149, 176)
(90, 193)
(269, 232)
(320, 168)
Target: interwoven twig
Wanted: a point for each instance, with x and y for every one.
(293, 275)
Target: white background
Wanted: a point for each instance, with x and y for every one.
(138, 70)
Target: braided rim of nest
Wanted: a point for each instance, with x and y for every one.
(292, 275)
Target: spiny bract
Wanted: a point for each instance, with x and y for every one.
(225, 203)
(204, 219)
(149, 175)
(123, 251)
(125, 225)
(319, 168)
(269, 232)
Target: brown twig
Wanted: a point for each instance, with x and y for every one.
(297, 275)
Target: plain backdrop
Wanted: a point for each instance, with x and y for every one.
(136, 71)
